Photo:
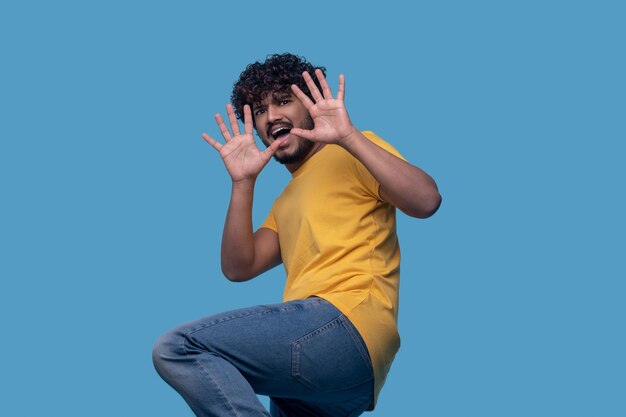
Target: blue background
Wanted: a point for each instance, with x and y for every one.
(112, 205)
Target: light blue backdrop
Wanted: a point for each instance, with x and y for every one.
(112, 205)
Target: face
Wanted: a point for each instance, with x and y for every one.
(274, 117)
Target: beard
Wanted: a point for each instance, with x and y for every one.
(304, 145)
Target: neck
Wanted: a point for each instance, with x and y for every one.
(293, 167)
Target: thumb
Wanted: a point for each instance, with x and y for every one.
(271, 150)
(303, 133)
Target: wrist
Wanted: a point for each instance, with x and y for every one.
(245, 184)
(351, 139)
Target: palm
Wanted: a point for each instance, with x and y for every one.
(331, 121)
(242, 157)
(240, 154)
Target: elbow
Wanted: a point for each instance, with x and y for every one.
(427, 206)
(234, 275)
(431, 205)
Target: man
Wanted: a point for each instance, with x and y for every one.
(326, 350)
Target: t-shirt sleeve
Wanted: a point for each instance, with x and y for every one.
(365, 177)
(270, 221)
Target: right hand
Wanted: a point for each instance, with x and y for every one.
(241, 156)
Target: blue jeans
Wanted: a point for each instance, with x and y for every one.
(305, 355)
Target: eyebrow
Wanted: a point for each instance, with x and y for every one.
(277, 96)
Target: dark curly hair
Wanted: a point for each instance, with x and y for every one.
(275, 75)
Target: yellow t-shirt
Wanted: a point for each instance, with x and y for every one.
(338, 241)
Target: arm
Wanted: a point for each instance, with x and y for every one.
(404, 185)
(401, 184)
(244, 254)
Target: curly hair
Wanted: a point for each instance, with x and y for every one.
(275, 75)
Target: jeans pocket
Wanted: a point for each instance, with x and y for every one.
(331, 358)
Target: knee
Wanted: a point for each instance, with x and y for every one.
(166, 351)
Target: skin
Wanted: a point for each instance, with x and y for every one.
(277, 110)
(246, 254)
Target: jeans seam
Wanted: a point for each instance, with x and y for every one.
(211, 379)
(261, 310)
(190, 332)
(339, 321)
(359, 343)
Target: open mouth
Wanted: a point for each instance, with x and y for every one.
(279, 132)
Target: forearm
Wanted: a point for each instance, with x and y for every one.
(238, 237)
(404, 185)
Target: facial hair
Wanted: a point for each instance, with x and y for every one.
(304, 145)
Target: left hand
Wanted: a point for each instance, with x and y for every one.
(331, 121)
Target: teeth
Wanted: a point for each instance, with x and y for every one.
(282, 129)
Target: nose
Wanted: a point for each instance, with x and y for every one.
(273, 113)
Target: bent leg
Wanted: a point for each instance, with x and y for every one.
(291, 350)
(209, 383)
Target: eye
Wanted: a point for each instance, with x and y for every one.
(259, 112)
(285, 101)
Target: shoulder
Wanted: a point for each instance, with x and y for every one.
(373, 137)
